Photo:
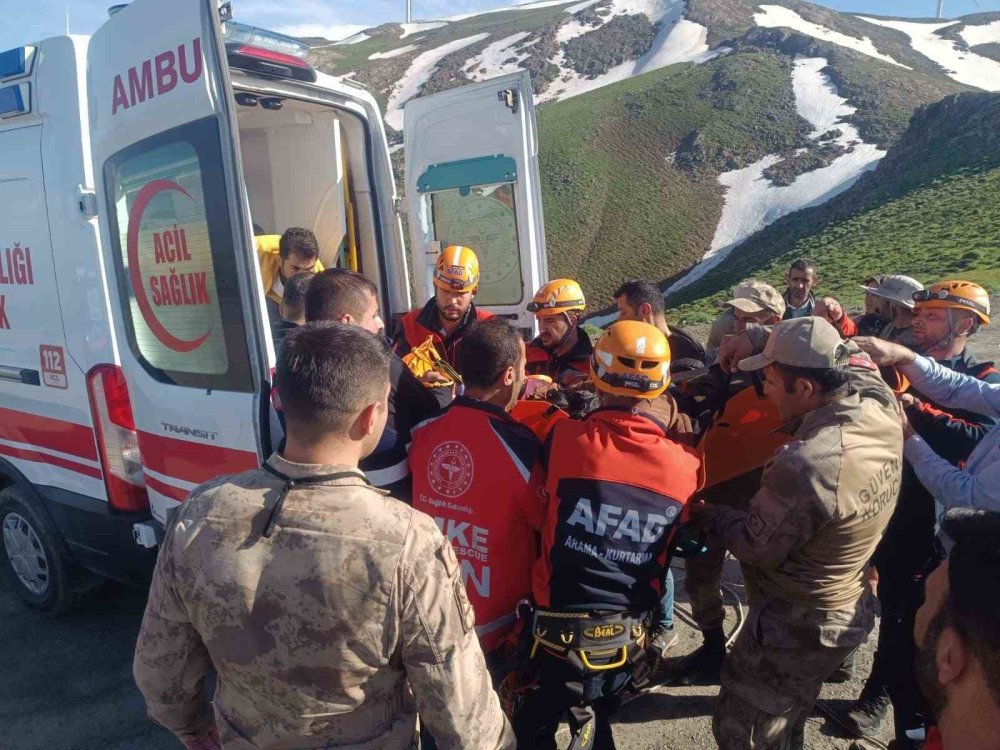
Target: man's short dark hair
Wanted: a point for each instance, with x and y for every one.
(972, 607)
(301, 242)
(337, 292)
(803, 264)
(487, 349)
(294, 297)
(327, 373)
(830, 381)
(637, 291)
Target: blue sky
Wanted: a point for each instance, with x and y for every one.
(30, 20)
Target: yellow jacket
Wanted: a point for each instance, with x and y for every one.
(270, 263)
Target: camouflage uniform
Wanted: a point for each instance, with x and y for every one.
(824, 502)
(334, 631)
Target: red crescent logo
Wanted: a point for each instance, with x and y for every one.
(149, 191)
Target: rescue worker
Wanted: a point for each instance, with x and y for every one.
(801, 279)
(958, 635)
(806, 539)
(897, 293)
(297, 252)
(561, 350)
(640, 299)
(293, 307)
(341, 296)
(977, 483)
(898, 290)
(448, 313)
(947, 313)
(330, 612)
(760, 304)
(877, 314)
(617, 486)
(471, 468)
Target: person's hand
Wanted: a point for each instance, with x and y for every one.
(873, 580)
(907, 400)
(537, 387)
(884, 353)
(571, 380)
(207, 741)
(828, 308)
(433, 376)
(733, 349)
(908, 430)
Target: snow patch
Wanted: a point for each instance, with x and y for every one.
(960, 65)
(775, 16)
(416, 75)
(392, 53)
(752, 201)
(678, 40)
(417, 26)
(985, 34)
(494, 56)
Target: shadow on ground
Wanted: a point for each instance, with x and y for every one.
(67, 682)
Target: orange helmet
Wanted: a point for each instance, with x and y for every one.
(457, 269)
(955, 295)
(557, 296)
(631, 359)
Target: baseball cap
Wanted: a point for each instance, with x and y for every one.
(755, 297)
(896, 288)
(801, 342)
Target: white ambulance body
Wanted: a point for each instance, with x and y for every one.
(135, 169)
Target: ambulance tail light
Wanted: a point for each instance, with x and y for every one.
(117, 439)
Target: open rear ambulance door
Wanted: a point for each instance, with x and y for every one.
(472, 179)
(181, 271)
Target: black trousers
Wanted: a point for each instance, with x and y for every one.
(562, 691)
(895, 658)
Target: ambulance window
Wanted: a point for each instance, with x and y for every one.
(484, 217)
(175, 261)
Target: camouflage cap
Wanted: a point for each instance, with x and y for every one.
(896, 288)
(801, 342)
(756, 296)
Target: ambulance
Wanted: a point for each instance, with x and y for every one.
(137, 167)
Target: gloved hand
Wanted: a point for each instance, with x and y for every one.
(884, 353)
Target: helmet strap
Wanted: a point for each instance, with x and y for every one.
(950, 338)
(556, 346)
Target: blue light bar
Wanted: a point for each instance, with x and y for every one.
(240, 33)
(12, 102)
(13, 62)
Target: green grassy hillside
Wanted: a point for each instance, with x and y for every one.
(614, 204)
(930, 210)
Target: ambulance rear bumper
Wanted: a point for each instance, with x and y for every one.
(99, 538)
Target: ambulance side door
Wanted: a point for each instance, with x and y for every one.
(178, 251)
(472, 179)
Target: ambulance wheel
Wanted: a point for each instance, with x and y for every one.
(35, 560)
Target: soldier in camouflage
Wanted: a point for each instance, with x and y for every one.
(332, 613)
(806, 538)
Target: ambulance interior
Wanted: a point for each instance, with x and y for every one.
(304, 165)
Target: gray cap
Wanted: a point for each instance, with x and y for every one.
(755, 297)
(801, 342)
(896, 288)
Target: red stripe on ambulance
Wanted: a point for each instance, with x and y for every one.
(192, 462)
(46, 432)
(167, 490)
(43, 458)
